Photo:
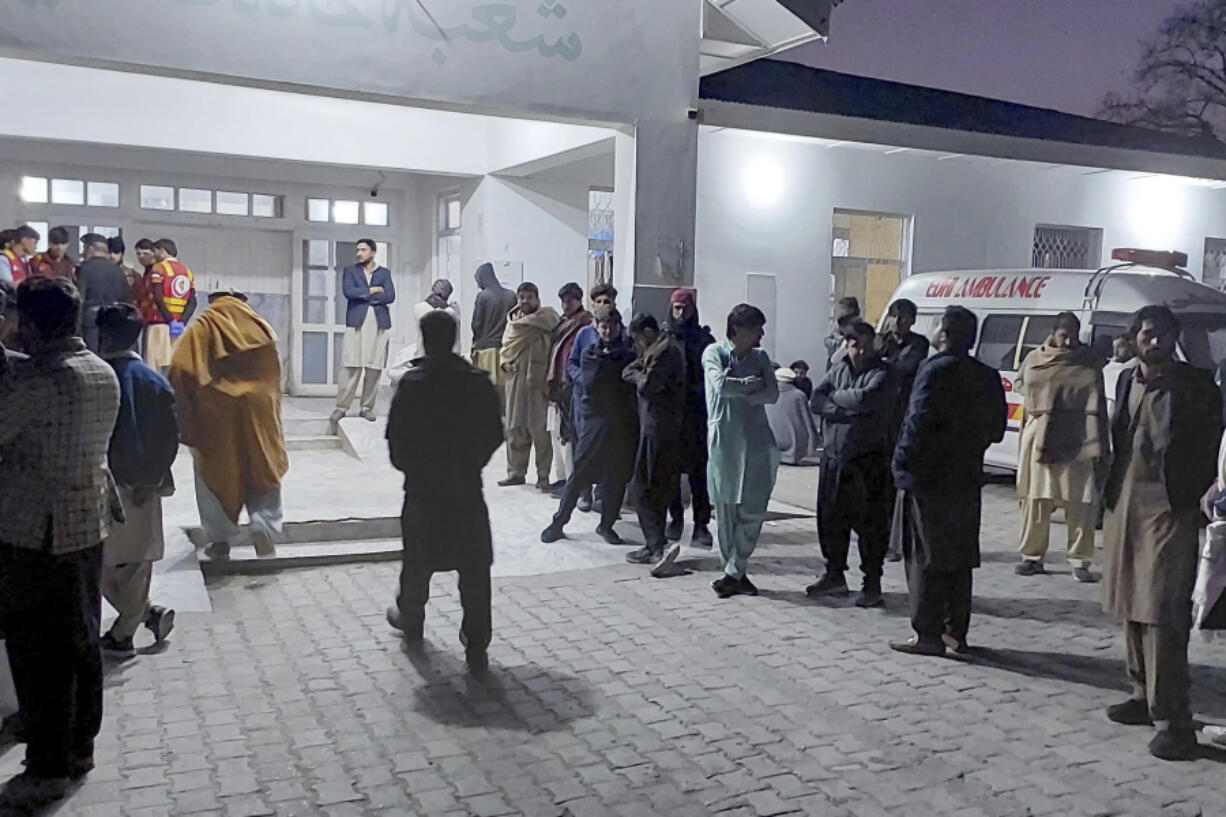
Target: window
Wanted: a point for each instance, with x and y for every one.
(1038, 327)
(868, 253)
(42, 228)
(67, 191)
(374, 213)
(454, 213)
(102, 194)
(345, 212)
(998, 341)
(264, 206)
(193, 200)
(318, 209)
(231, 204)
(1058, 247)
(34, 189)
(153, 197)
(106, 232)
(1213, 273)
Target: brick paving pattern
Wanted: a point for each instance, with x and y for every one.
(615, 694)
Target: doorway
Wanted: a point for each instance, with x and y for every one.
(869, 257)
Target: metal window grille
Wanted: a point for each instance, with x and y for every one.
(1066, 247)
(1215, 262)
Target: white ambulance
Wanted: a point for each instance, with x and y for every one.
(1017, 308)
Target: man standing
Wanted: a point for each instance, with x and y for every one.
(101, 282)
(957, 410)
(226, 374)
(368, 288)
(693, 338)
(607, 425)
(561, 390)
(494, 302)
(13, 259)
(59, 408)
(525, 361)
(1063, 445)
(846, 310)
(116, 248)
(142, 449)
(172, 293)
(54, 263)
(802, 382)
(1168, 416)
(443, 427)
(854, 401)
(792, 421)
(601, 295)
(744, 457)
(659, 379)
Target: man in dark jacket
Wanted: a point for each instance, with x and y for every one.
(494, 302)
(369, 290)
(659, 379)
(957, 410)
(608, 429)
(101, 281)
(845, 311)
(854, 402)
(1168, 420)
(443, 427)
(693, 338)
(143, 447)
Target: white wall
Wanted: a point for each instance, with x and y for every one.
(966, 215)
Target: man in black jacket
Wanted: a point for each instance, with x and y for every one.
(443, 427)
(693, 338)
(854, 402)
(101, 282)
(608, 429)
(957, 410)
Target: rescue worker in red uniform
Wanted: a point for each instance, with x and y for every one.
(54, 262)
(13, 265)
(172, 296)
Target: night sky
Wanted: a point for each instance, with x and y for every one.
(1063, 54)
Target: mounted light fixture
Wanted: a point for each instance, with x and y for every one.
(763, 180)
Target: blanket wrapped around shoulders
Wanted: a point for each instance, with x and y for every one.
(1066, 398)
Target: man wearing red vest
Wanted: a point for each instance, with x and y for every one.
(13, 258)
(54, 263)
(172, 289)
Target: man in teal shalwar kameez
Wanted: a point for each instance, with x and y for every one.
(744, 458)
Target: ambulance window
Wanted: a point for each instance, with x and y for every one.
(1103, 339)
(1203, 340)
(998, 339)
(1038, 327)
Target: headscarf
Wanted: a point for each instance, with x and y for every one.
(785, 375)
(440, 291)
(687, 297)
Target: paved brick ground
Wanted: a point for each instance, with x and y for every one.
(616, 694)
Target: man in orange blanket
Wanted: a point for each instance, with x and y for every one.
(227, 379)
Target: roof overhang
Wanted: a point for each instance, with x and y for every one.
(735, 32)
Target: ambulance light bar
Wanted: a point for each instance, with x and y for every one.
(1151, 258)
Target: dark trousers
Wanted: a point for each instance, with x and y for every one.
(605, 461)
(698, 496)
(50, 613)
(654, 492)
(1157, 661)
(477, 628)
(855, 496)
(940, 602)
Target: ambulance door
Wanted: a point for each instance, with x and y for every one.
(1004, 342)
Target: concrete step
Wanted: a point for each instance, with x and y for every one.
(308, 544)
(319, 442)
(307, 426)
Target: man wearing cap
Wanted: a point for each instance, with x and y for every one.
(693, 338)
(136, 281)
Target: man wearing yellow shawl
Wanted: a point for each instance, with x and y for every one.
(1064, 444)
(227, 379)
(525, 359)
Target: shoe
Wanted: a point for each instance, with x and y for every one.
(954, 645)
(26, 792)
(609, 535)
(663, 567)
(411, 635)
(1083, 575)
(1131, 712)
(160, 621)
(747, 587)
(1174, 744)
(369, 416)
(832, 584)
(674, 530)
(585, 501)
(117, 647)
(914, 646)
(337, 415)
(726, 587)
(1029, 567)
(218, 551)
(869, 596)
(544, 486)
(702, 537)
(478, 661)
(642, 556)
(509, 481)
(552, 534)
(261, 540)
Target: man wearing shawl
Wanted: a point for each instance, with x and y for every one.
(1064, 442)
(1167, 423)
(694, 338)
(792, 421)
(226, 375)
(744, 457)
(525, 360)
(439, 298)
(561, 390)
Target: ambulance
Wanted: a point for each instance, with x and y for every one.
(1017, 309)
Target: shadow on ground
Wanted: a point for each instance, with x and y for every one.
(524, 698)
